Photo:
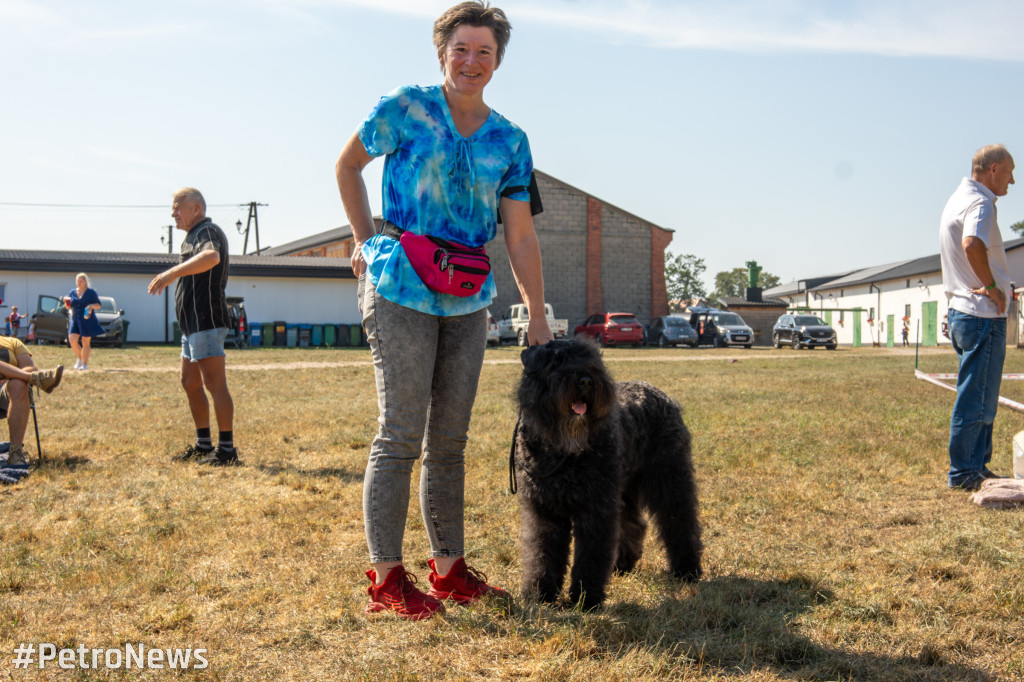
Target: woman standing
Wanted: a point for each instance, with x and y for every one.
(82, 324)
(451, 164)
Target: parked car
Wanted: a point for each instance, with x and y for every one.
(670, 330)
(516, 320)
(238, 332)
(611, 329)
(52, 321)
(493, 335)
(803, 331)
(720, 328)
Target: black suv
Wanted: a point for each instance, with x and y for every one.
(803, 331)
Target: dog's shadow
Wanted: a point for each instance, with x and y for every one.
(732, 626)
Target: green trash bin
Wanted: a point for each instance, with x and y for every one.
(330, 333)
(355, 335)
(268, 334)
(176, 336)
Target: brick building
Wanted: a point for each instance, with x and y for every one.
(597, 257)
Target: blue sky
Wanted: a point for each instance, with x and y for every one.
(811, 136)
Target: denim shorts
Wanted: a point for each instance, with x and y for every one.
(204, 344)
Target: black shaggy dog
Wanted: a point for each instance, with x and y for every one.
(588, 457)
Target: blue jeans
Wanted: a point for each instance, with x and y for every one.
(980, 343)
(427, 369)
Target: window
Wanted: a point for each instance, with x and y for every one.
(3, 290)
(906, 310)
(871, 313)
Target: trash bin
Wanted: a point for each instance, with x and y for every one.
(176, 335)
(124, 332)
(255, 334)
(317, 338)
(291, 335)
(268, 333)
(330, 334)
(344, 337)
(305, 333)
(280, 334)
(356, 335)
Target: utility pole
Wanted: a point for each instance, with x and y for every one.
(252, 222)
(169, 239)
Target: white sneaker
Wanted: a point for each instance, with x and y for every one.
(78, 364)
(83, 367)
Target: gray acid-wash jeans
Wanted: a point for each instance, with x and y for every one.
(427, 370)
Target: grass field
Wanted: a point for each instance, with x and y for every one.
(834, 550)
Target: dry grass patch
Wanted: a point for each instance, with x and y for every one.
(834, 550)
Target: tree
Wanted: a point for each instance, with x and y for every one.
(683, 279)
(1018, 227)
(733, 283)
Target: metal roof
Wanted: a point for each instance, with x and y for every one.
(901, 269)
(312, 241)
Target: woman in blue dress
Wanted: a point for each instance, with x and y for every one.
(82, 304)
(451, 163)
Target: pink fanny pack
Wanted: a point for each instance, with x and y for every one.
(444, 266)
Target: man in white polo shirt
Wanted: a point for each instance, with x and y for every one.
(976, 278)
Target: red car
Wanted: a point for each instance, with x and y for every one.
(611, 329)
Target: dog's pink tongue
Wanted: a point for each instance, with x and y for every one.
(579, 408)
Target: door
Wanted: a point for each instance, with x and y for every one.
(856, 327)
(51, 319)
(890, 326)
(930, 323)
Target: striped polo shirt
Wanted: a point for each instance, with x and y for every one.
(199, 300)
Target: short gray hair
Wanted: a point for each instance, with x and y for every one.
(192, 194)
(986, 156)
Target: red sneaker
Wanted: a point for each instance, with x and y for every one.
(463, 584)
(399, 593)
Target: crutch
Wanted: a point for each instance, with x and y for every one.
(35, 421)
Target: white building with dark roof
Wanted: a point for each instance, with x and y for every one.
(867, 306)
(275, 288)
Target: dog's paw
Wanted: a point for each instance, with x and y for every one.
(689, 576)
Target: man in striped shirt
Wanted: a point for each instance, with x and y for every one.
(202, 310)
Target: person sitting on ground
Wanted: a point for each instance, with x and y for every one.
(19, 374)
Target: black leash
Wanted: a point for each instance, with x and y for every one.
(512, 460)
(512, 457)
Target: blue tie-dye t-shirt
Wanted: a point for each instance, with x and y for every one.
(440, 183)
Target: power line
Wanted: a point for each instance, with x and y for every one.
(108, 206)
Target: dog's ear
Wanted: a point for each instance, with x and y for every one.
(533, 358)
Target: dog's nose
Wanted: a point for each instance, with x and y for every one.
(584, 382)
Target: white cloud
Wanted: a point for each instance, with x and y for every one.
(987, 29)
